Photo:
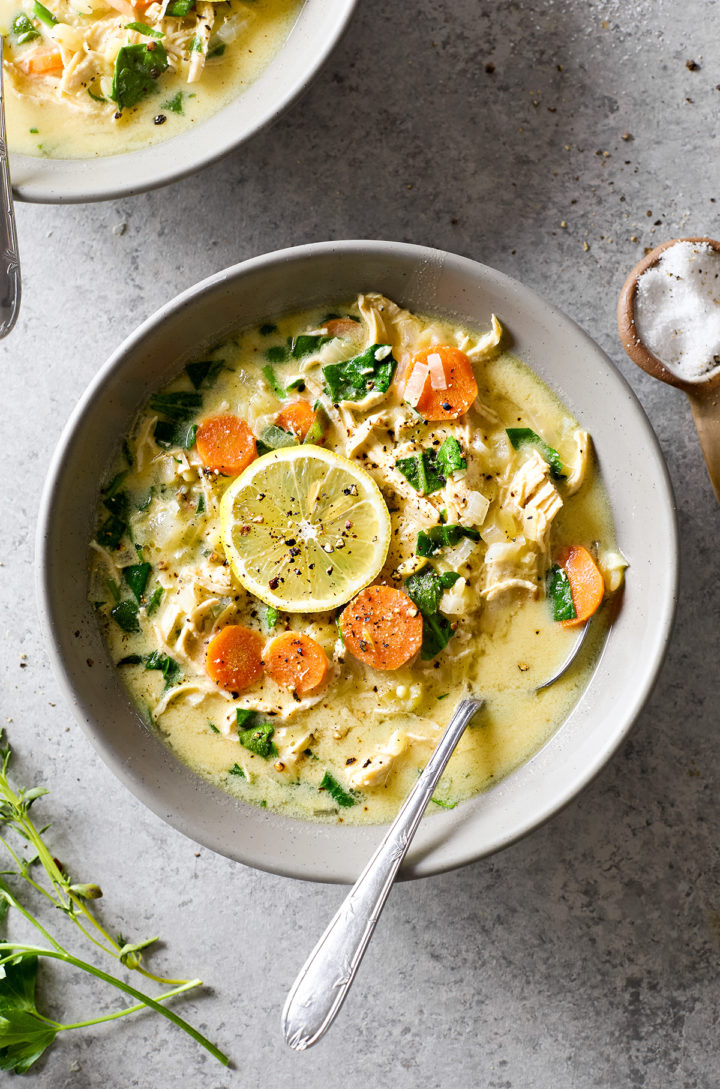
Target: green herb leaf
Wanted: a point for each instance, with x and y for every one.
(305, 344)
(200, 508)
(244, 717)
(167, 434)
(274, 437)
(317, 428)
(371, 372)
(130, 659)
(426, 588)
(525, 436)
(205, 371)
(432, 540)
(268, 329)
(272, 381)
(178, 9)
(336, 792)
(216, 51)
(450, 457)
(277, 353)
(24, 31)
(560, 594)
(437, 633)
(111, 532)
(179, 406)
(96, 98)
(154, 600)
(168, 667)
(137, 69)
(237, 770)
(143, 28)
(136, 576)
(422, 471)
(296, 384)
(41, 12)
(125, 615)
(258, 739)
(438, 801)
(23, 1035)
(271, 617)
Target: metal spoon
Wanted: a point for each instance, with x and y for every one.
(325, 979)
(703, 393)
(10, 286)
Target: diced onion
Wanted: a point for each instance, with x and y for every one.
(416, 383)
(458, 555)
(476, 508)
(231, 28)
(493, 534)
(437, 371)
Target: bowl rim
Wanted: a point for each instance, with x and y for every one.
(44, 591)
(84, 181)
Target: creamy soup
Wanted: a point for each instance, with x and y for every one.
(327, 530)
(97, 77)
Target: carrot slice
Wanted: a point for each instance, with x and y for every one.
(461, 391)
(297, 417)
(226, 444)
(587, 585)
(342, 327)
(42, 61)
(234, 657)
(297, 661)
(382, 627)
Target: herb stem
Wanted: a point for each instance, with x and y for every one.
(144, 999)
(131, 1009)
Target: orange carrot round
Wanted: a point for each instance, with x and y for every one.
(587, 585)
(342, 327)
(382, 627)
(462, 389)
(234, 657)
(297, 661)
(226, 444)
(297, 417)
(42, 61)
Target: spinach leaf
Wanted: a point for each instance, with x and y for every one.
(525, 436)
(23, 29)
(305, 344)
(319, 425)
(167, 433)
(137, 68)
(41, 12)
(143, 28)
(217, 51)
(205, 371)
(200, 508)
(111, 532)
(130, 659)
(273, 437)
(179, 406)
(244, 717)
(336, 792)
(154, 600)
(237, 770)
(136, 576)
(450, 457)
(432, 540)
(168, 667)
(422, 471)
(296, 384)
(125, 615)
(277, 353)
(426, 588)
(560, 594)
(268, 329)
(179, 8)
(258, 739)
(372, 371)
(272, 381)
(271, 617)
(24, 1035)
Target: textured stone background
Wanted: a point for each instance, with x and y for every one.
(587, 955)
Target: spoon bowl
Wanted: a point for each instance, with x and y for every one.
(703, 392)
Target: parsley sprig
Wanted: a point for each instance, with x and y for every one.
(25, 1033)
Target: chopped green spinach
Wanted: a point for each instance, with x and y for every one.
(305, 344)
(125, 615)
(154, 600)
(237, 770)
(178, 406)
(336, 792)
(273, 437)
(560, 594)
(277, 353)
(268, 329)
(355, 378)
(205, 371)
(168, 667)
(525, 436)
(258, 739)
(178, 9)
(137, 69)
(143, 28)
(24, 31)
(426, 588)
(272, 381)
(136, 576)
(450, 457)
(428, 471)
(444, 536)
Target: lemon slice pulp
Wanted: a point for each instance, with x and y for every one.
(304, 529)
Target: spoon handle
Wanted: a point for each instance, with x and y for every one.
(705, 406)
(10, 287)
(326, 977)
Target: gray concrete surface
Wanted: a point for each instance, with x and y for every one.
(587, 955)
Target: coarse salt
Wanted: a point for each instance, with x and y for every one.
(677, 309)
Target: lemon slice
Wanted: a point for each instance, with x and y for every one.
(304, 529)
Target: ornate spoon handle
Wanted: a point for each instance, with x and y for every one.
(10, 287)
(320, 989)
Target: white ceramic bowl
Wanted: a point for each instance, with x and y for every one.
(319, 26)
(430, 282)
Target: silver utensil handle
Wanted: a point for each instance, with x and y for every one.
(10, 286)
(325, 979)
